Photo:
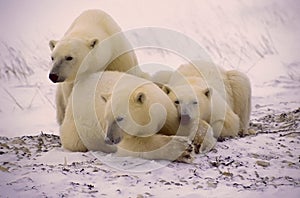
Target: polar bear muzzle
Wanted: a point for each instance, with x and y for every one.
(185, 119)
(113, 134)
(53, 77)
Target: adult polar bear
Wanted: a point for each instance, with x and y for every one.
(108, 108)
(87, 36)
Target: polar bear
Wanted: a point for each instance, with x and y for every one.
(207, 105)
(233, 86)
(142, 121)
(108, 108)
(88, 35)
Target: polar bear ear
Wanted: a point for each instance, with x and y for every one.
(106, 97)
(208, 92)
(93, 42)
(140, 98)
(166, 89)
(52, 44)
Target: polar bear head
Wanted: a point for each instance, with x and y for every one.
(192, 102)
(67, 55)
(137, 111)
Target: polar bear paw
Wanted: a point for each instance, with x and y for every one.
(186, 156)
(245, 132)
(203, 133)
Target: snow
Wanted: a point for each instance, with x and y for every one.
(260, 38)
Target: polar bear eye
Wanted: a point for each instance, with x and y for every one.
(52, 58)
(195, 102)
(69, 58)
(176, 102)
(119, 119)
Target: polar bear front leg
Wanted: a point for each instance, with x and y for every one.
(62, 96)
(173, 148)
(69, 136)
(204, 139)
(157, 147)
(60, 106)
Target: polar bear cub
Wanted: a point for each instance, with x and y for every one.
(206, 105)
(233, 86)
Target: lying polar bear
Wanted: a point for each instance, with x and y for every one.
(113, 108)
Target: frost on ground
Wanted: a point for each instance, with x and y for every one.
(266, 164)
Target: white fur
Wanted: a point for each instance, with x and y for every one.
(85, 48)
(233, 86)
(98, 101)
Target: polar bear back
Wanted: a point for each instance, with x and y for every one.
(92, 23)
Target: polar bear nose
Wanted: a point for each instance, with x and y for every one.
(108, 141)
(112, 141)
(113, 135)
(185, 119)
(53, 77)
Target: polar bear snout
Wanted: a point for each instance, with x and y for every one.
(113, 134)
(59, 72)
(110, 140)
(185, 119)
(53, 77)
(186, 113)
(56, 78)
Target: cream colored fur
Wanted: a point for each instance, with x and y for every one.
(110, 108)
(84, 47)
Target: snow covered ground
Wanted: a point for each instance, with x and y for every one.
(266, 165)
(260, 38)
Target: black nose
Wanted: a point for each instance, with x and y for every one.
(112, 141)
(117, 140)
(53, 77)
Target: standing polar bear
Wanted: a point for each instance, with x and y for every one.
(86, 43)
(109, 108)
